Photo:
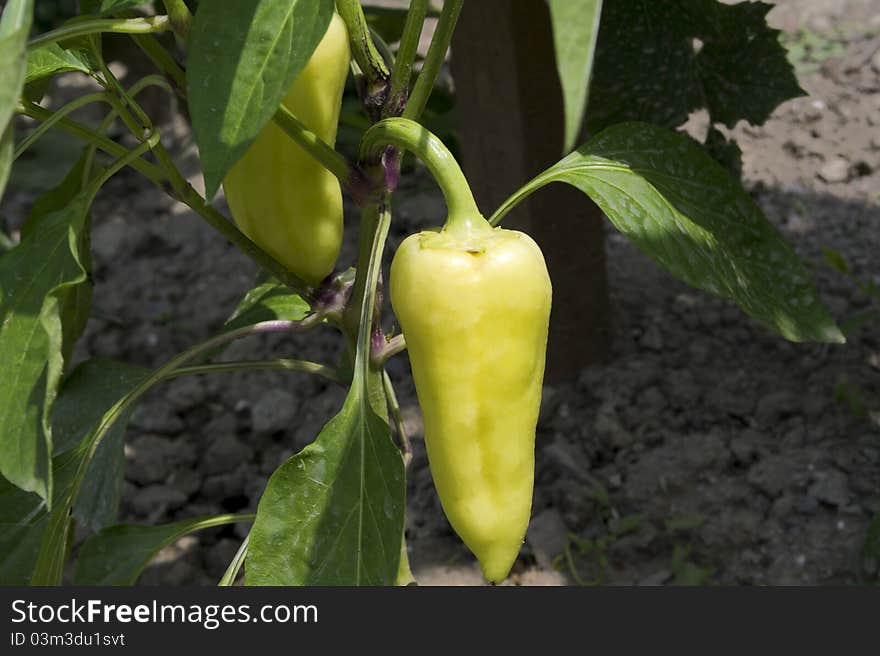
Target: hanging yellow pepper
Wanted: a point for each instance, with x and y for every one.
(279, 196)
(473, 303)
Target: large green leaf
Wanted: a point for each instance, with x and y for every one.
(15, 23)
(682, 208)
(87, 393)
(659, 61)
(243, 58)
(118, 554)
(575, 29)
(41, 284)
(332, 514)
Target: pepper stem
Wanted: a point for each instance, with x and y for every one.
(409, 135)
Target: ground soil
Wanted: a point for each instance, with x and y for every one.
(705, 450)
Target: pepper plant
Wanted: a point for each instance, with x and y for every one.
(262, 83)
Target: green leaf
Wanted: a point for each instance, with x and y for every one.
(268, 301)
(74, 301)
(575, 31)
(57, 198)
(19, 546)
(15, 23)
(87, 393)
(118, 554)
(724, 151)
(243, 58)
(333, 513)
(24, 521)
(659, 61)
(52, 59)
(743, 67)
(42, 282)
(682, 208)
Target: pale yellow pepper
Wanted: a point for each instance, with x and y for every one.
(473, 303)
(279, 196)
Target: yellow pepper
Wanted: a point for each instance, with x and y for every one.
(279, 196)
(473, 303)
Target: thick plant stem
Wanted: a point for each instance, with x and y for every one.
(412, 136)
(310, 142)
(406, 55)
(179, 15)
(362, 47)
(360, 312)
(98, 25)
(434, 59)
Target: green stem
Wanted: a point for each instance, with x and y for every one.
(151, 171)
(282, 364)
(412, 136)
(97, 25)
(406, 56)
(383, 48)
(179, 15)
(162, 59)
(434, 59)
(192, 199)
(122, 162)
(362, 47)
(541, 180)
(133, 92)
(310, 142)
(394, 405)
(56, 116)
(395, 345)
(374, 231)
(118, 409)
(237, 561)
(121, 101)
